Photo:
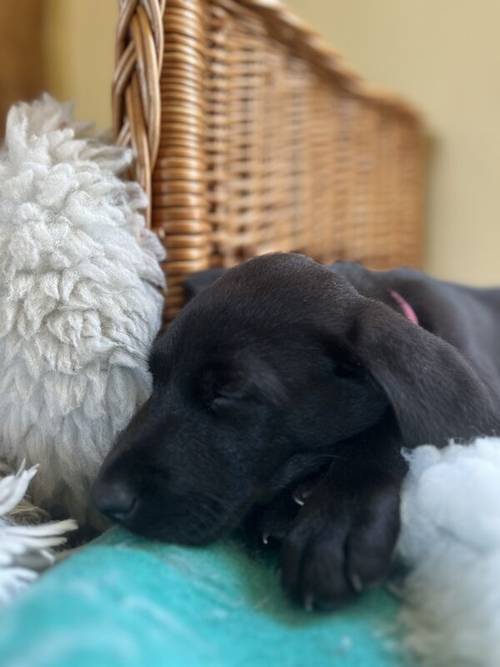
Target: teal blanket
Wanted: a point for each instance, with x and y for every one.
(125, 601)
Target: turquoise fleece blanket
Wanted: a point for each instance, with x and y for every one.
(125, 601)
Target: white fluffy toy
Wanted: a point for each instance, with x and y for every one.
(80, 302)
(451, 542)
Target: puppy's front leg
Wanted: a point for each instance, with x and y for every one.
(343, 538)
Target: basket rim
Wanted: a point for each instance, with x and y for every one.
(316, 49)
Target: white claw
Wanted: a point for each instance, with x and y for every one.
(298, 499)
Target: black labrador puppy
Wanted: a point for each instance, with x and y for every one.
(288, 378)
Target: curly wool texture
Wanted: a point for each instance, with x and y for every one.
(451, 541)
(79, 301)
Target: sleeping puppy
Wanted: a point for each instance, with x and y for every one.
(288, 378)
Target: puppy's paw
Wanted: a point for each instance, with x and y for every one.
(339, 544)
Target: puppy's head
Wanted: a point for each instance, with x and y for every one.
(254, 383)
(248, 396)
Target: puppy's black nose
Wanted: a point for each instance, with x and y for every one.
(116, 500)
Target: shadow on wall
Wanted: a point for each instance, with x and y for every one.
(22, 73)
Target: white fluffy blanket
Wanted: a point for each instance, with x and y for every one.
(451, 541)
(79, 301)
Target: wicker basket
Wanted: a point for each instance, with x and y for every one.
(251, 136)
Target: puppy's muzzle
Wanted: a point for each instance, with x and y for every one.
(116, 500)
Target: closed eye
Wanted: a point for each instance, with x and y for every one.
(221, 386)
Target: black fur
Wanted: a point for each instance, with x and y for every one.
(285, 376)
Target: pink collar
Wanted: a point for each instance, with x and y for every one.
(408, 311)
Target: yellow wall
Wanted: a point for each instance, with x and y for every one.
(442, 54)
(79, 51)
(445, 56)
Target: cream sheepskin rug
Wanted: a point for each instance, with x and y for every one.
(80, 302)
(451, 542)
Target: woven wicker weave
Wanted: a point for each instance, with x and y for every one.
(252, 136)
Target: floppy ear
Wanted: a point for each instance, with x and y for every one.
(199, 281)
(435, 393)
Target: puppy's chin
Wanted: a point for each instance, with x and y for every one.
(186, 536)
(188, 529)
